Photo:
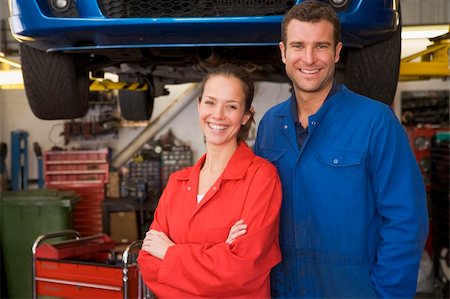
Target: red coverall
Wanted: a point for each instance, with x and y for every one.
(201, 264)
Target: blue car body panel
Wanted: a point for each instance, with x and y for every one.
(363, 23)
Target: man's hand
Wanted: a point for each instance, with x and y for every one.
(156, 243)
(237, 230)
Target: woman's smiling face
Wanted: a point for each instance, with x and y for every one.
(221, 109)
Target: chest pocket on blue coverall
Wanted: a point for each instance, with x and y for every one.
(338, 179)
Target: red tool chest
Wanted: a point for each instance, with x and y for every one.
(84, 268)
(72, 279)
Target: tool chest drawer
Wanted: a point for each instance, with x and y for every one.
(71, 279)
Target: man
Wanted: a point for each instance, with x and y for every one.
(354, 218)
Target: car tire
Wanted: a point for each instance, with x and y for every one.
(373, 71)
(136, 105)
(55, 88)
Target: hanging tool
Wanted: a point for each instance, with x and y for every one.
(38, 153)
(141, 188)
(3, 170)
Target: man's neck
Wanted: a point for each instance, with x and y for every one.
(309, 103)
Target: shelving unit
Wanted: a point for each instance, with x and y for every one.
(86, 173)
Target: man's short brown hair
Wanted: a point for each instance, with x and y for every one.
(312, 11)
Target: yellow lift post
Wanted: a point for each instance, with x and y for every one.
(430, 63)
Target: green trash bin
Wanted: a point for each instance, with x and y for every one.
(25, 215)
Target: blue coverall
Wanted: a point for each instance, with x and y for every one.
(354, 219)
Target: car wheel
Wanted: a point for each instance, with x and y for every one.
(55, 88)
(373, 71)
(136, 105)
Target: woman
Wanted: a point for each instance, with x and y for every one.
(215, 231)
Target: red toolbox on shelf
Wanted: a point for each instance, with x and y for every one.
(85, 268)
(76, 167)
(85, 172)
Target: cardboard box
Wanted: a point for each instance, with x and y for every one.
(123, 226)
(113, 186)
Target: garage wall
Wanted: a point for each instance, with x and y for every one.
(15, 114)
(415, 12)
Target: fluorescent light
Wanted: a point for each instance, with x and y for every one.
(426, 31)
(11, 79)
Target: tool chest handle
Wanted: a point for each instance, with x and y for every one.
(39, 240)
(126, 262)
(62, 233)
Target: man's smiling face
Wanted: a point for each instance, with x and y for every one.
(310, 56)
